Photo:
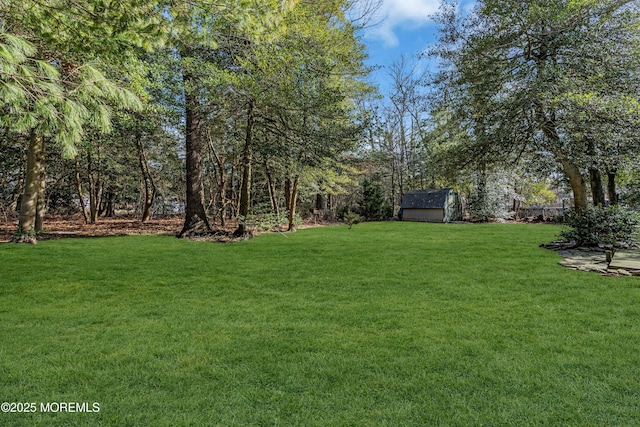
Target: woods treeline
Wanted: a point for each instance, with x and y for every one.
(228, 109)
(124, 94)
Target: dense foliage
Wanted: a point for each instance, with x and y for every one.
(597, 225)
(371, 204)
(260, 108)
(550, 79)
(231, 101)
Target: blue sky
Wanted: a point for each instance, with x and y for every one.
(401, 27)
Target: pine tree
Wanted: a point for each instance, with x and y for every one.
(53, 87)
(549, 76)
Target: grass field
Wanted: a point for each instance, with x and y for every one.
(387, 324)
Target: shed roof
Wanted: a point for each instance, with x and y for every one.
(426, 199)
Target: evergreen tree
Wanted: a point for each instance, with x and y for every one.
(54, 83)
(549, 76)
(372, 204)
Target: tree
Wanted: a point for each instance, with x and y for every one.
(248, 83)
(53, 87)
(198, 30)
(549, 76)
(405, 118)
(283, 98)
(372, 204)
(312, 108)
(12, 166)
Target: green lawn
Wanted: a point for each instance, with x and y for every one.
(387, 324)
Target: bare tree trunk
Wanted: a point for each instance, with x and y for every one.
(17, 192)
(95, 189)
(221, 181)
(41, 205)
(393, 183)
(291, 198)
(106, 204)
(232, 194)
(213, 201)
(597, 190)
(149, 186)
(33, 189)
(595, 177)
(247, 158)
(222, 191)
(547, 124)
(85, 214)
(196, 221)
(578, 184)
(272, 189)
(223, 195)
(611, 187)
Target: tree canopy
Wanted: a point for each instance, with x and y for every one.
(549, 76)
(278, 79)
(230, 109)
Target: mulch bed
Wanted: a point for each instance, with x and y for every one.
(58, 227)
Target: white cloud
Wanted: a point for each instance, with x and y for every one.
(397, 13)
(413, 14)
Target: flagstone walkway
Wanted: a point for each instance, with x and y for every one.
(624, 262)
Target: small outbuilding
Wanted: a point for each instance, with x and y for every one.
(441, 205)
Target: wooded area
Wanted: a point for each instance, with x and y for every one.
(260, 110)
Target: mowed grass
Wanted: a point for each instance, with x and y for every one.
(386, 324)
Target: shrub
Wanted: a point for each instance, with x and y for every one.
(612, 225)
(372, 204)
(351, 218)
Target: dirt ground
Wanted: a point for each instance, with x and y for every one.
(74, 226)
(57, 227)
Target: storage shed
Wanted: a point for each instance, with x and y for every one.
(441, 205)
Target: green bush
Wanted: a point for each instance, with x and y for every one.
(613, 225)
(351, 218)
(372, 203)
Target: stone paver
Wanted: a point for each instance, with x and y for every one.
(624, 262)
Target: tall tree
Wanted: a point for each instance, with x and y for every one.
(315, 72)
(53, 80)
(404, 121)
(198, 29)
(281, 96)
(521, 76)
